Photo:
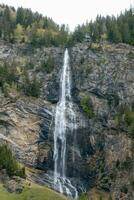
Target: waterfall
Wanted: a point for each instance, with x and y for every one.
(64, 119)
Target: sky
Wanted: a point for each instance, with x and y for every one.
(73, 12)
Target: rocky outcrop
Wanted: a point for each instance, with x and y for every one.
(21, 127)
(104, 73)
(102, 156)
(25, 122)
(12, 184)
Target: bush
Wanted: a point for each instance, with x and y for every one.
(129, 119)
(87, 106)
(6, 89)
(8, 162)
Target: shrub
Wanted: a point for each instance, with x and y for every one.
(87, 106)
(129, 119)
(8, 162)
(6, 89)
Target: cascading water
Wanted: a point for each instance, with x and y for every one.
(63, 121)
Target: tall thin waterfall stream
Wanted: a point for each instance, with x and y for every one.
(63, 122)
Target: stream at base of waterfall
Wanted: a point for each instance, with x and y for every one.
(62, 123)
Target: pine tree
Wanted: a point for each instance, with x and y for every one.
(126, 33)
(6, 23)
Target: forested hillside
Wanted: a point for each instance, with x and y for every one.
(114, 29)
(25, 26)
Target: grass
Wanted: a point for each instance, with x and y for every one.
(33, 192)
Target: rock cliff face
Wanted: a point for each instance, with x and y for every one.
(105, 75)
(103, 95)
(25, 122)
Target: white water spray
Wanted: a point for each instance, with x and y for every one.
(62, 123)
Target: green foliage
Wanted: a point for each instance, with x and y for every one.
(48, 65)
(8, 76)
(125, 116)
(118, 119)
(129, 119)
(22, 25)
(83, 197)
(87, 106)
(9, 80)
(31, 87)
(120, 29)
(8, 162)
(6, 89)
(19, 34)
(25, 26)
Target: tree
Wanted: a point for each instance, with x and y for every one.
(116, 34)
(7, 24)
(8, 162)
(125, 33)
(113, 32)
(19, 33)
(20, 16)
(31, 87)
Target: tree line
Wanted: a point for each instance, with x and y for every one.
(110, 28)
(24, 26)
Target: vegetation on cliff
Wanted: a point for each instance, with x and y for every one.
(87, 106)
(8, 162)
(10, 74)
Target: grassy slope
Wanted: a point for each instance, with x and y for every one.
(35, 192)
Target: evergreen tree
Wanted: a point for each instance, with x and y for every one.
(120, 29)
(20, 16)
(19, 34)
(125, 33)
(8, 162)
